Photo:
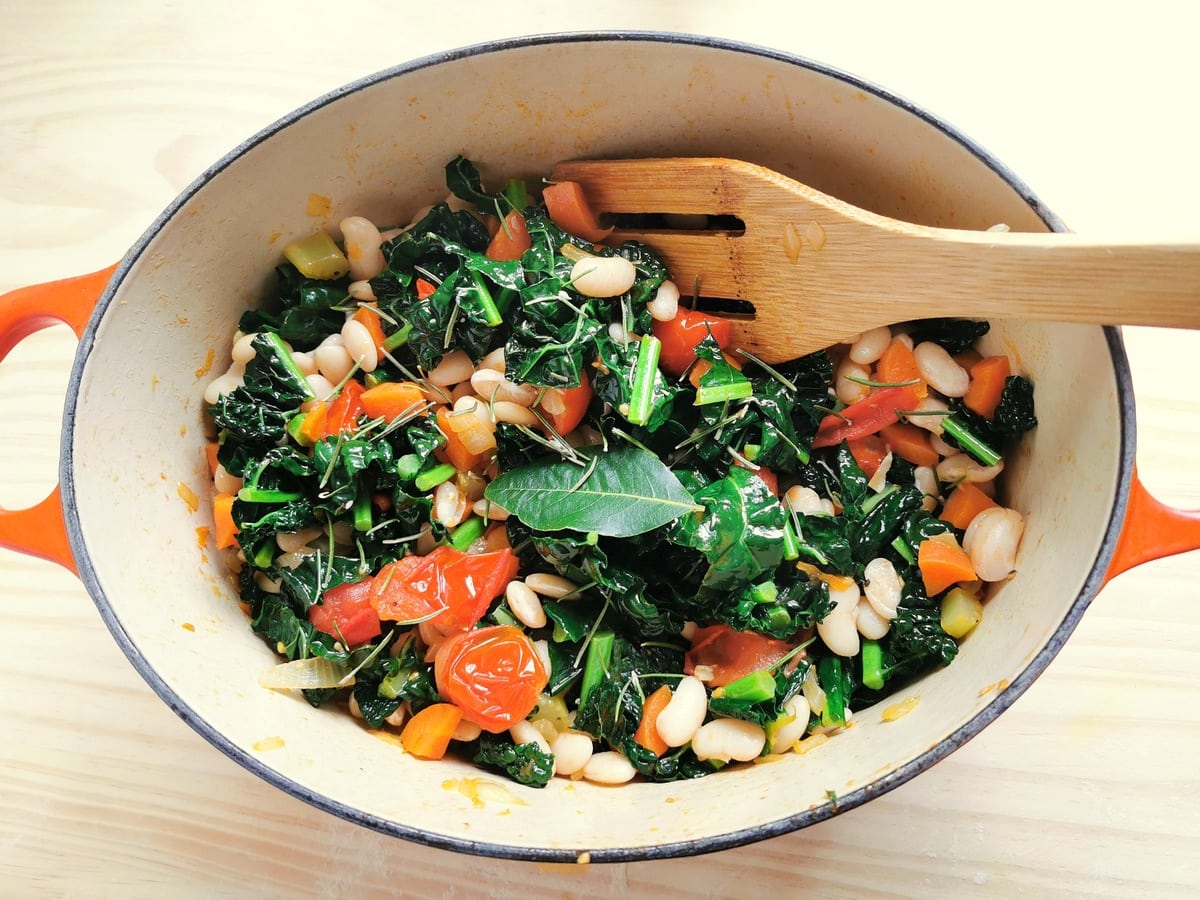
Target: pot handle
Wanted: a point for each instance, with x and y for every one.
(41, 530)
(1152, 530)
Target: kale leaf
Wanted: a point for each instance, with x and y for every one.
(527, 764)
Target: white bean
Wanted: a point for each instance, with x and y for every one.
(905, 339)
(291, 541)
(293, 560)
(883, 587)
(319, 385)
(525, 733)
(729, 739)
(844, 599)
(333, 361)
(839, 631)
(305, 362)
(878, 481)
(524, 604)
(616, 331)
(242, 351)
(850, 391)
(224, 482)
(933, 423)
(550, 585)
(608, 767)
(220, 386)
(466, 731)
(870, 345)
(943, 449)
(362, 241)
(454, 367)
(783, 736)
(397, 716)
(514, 413)
(449, 504)
(939, 369)
(267, 585)
(684, 712)
(494, 360)
(361, 290)
(489, 510)
(870, 624)
(991, 540)
(803, 500)
(360, 345)
(961, 467)
(603, 276)
(572, 750)
(665, 305)
(926, 479)
(486, 382)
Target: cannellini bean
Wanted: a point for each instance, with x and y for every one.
(839, 631)
(684, 713)
(942, 448)
(454, 367)
(870, 624)
(991, 540)
(291, 541)
(617, 332)
(333, 361)
(526, 733)
(466, 731)
(360, 345)
(449, 504)
(932, 424)
(486, 382)
(926, 479)
(827, 507)
(729, 739)
(242, 351)
(905, 339)
(550, 585)
(572, 750)
(665, 305)
(883, 587)
(355, 710)
(267, 585)
(361, 290)
(803, 500)
(603, 276)
(608, 767)
(844, 599)
(850, 391)
(494, 360)
(688, 631)
(220, 386)
(524, 604)
(320, 385)
(870, 345)
(305, 362)
(362, 241)
(224, 482)
(878, 481)
(489, 510)
(961, 467)
(542, 648)
(514, 413)
(939, 369)
(783, 736)
(397, 717)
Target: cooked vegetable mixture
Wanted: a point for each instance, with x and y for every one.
(489, 480)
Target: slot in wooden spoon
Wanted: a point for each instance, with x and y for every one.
(817, 269)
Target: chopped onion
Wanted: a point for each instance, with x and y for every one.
(305, 675)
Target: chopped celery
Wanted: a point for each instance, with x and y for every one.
(757, 687)
(595, 667)
(431, 478)
(872, 665)
(641, 399)
(961, 612)
(317, 256)
(464, 535)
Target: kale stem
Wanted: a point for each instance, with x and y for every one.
(595, 669)
(641, 400)
(491, 314)
(872, 665)
(969, 441)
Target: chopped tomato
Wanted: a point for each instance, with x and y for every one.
(346, 613)
(876, 411)
(868, 451)
(409, 589)
(427, 734)
(732, 654)
(494, 675)
(571, 403)
(568, 209)
(682, 334)
(425, 289)
(461, 585)
(344, 411)
(511, 240)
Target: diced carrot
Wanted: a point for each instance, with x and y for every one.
(456, 451)
(370, 320)
(942, 564)
(868, 451)
(910, 443)
(569, 210)
(987, 385)
(967, 358)
(425, 289)
(223, 525)
(897, 365)
(210, 453)
(964, 504)
(391, 400)
(511, 241)
(647, 730)
(427, 734)
(312, 429)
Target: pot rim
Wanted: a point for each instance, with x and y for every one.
(801, 819)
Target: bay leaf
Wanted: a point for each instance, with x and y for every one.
(622, 492)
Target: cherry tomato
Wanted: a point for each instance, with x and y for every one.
(346, 613)
(732, 654)
(345, 409)
(876, 411)
(462, 585)
(574, 407)
(681, 335)
(494, 675)
(409, 589)
(868, 451)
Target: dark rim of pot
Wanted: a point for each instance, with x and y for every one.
(738, 838)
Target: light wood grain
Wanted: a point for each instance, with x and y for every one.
(817, 269)
(1086, 787)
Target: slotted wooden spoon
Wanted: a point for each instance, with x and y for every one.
(817, 269)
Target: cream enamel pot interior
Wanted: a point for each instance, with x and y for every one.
(127, 521)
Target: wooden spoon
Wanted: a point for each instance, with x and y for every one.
(818, 270)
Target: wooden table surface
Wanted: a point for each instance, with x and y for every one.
(1088, 786)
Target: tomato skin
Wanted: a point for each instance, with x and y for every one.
(344, 411)
(682, 334)
(868, 416)
(732, 654)
(461, 585)
(346, 613)
(494, 675)
(576, 401)
(408, 589)
(868, 451)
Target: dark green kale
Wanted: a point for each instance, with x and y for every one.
(762, 710)
(674, 765)
(954, 335)
(527, 764)
(612, 710)
(307, 312)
